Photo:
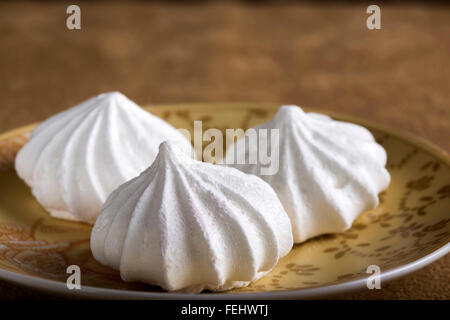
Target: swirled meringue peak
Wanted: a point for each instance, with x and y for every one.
(188, 226)
(328, 171)
(76, 158)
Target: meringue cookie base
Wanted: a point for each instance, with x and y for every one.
(221, 288)
(61, 214)
(408, 230)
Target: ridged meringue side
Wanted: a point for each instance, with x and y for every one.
(76, 158)
(329, 171)
(186, 225)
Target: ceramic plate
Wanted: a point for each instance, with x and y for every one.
(409, 229)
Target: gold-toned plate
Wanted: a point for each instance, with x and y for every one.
(409, 229)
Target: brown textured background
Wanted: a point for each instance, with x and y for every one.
(319, 55)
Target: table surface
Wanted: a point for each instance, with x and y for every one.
(316, 55)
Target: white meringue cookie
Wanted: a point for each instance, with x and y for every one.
(186, 225)
(76, 158)
(329, 171)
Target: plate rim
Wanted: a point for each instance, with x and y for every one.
(91, 292)
(406, 135)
